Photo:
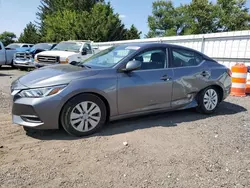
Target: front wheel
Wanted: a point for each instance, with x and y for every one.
(208, 100)
(83, 115)
(22, 69)
(12, 65)
(29, 130)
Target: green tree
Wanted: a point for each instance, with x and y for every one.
(7, 38)
(132, 33)
(233, 15)
(100, 24)
(50, 7)
(61, 26)
(198, 17)
(166, 20)
(201, 17)
(30, 34)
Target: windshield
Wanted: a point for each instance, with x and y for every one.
(109, 57)
(42, 46)
(14, 46)
(68, 46)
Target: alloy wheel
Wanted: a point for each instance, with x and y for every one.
(210, 99)
(85, 116)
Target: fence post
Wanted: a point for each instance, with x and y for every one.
(203, 44)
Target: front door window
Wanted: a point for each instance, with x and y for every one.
(152, 59)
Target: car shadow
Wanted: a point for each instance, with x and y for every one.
(5, 74)
(168, 119)
(6, 68)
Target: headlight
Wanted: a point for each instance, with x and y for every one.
(41, 92)
(67, 60)
(29, 56)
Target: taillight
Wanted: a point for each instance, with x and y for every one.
(229, 72)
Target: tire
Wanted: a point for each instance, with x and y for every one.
(29, 130)
(23, 69)
(83, 115)
(12, 65)
(208, 100)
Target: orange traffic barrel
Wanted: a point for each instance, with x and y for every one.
(239, 78)
(248, 81)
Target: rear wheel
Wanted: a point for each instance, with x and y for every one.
(208, 100)
(83, 115)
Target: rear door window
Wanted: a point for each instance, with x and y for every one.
(185, 58)
(25, 46)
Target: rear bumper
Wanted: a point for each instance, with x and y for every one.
(227, 92)
(227, 87)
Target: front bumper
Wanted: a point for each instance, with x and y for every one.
(38, 113)
(42, 64)
(28, 63)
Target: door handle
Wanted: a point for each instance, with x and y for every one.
(165, 78)
(205, 73)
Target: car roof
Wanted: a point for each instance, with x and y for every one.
(83, 41)
(46, 43)
(154, 44)
(165, 45)
(21, 43)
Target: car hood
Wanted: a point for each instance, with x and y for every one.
(55, 75)
(22, 49)
(57, 53)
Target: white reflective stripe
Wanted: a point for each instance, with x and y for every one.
(248, 82)
(238, 85)
(239, 75)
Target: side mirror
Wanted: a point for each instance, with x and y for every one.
(84, 51)
(73, 63)
(132, 65)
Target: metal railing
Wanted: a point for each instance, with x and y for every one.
(226, 47)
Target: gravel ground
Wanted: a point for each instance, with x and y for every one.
(177, 149)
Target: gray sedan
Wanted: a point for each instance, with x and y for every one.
(119, 82)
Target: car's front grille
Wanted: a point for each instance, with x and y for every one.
(47, 59)
(23, 55)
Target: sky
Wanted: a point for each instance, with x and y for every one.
(15, 14)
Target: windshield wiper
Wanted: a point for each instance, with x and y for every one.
(84, 66)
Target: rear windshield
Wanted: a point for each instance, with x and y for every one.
(14, 46)
(43, 46)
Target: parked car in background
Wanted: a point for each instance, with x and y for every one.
(119, 82)
(17, 46)
(24, 60)
(64, 53)
(7, 53)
